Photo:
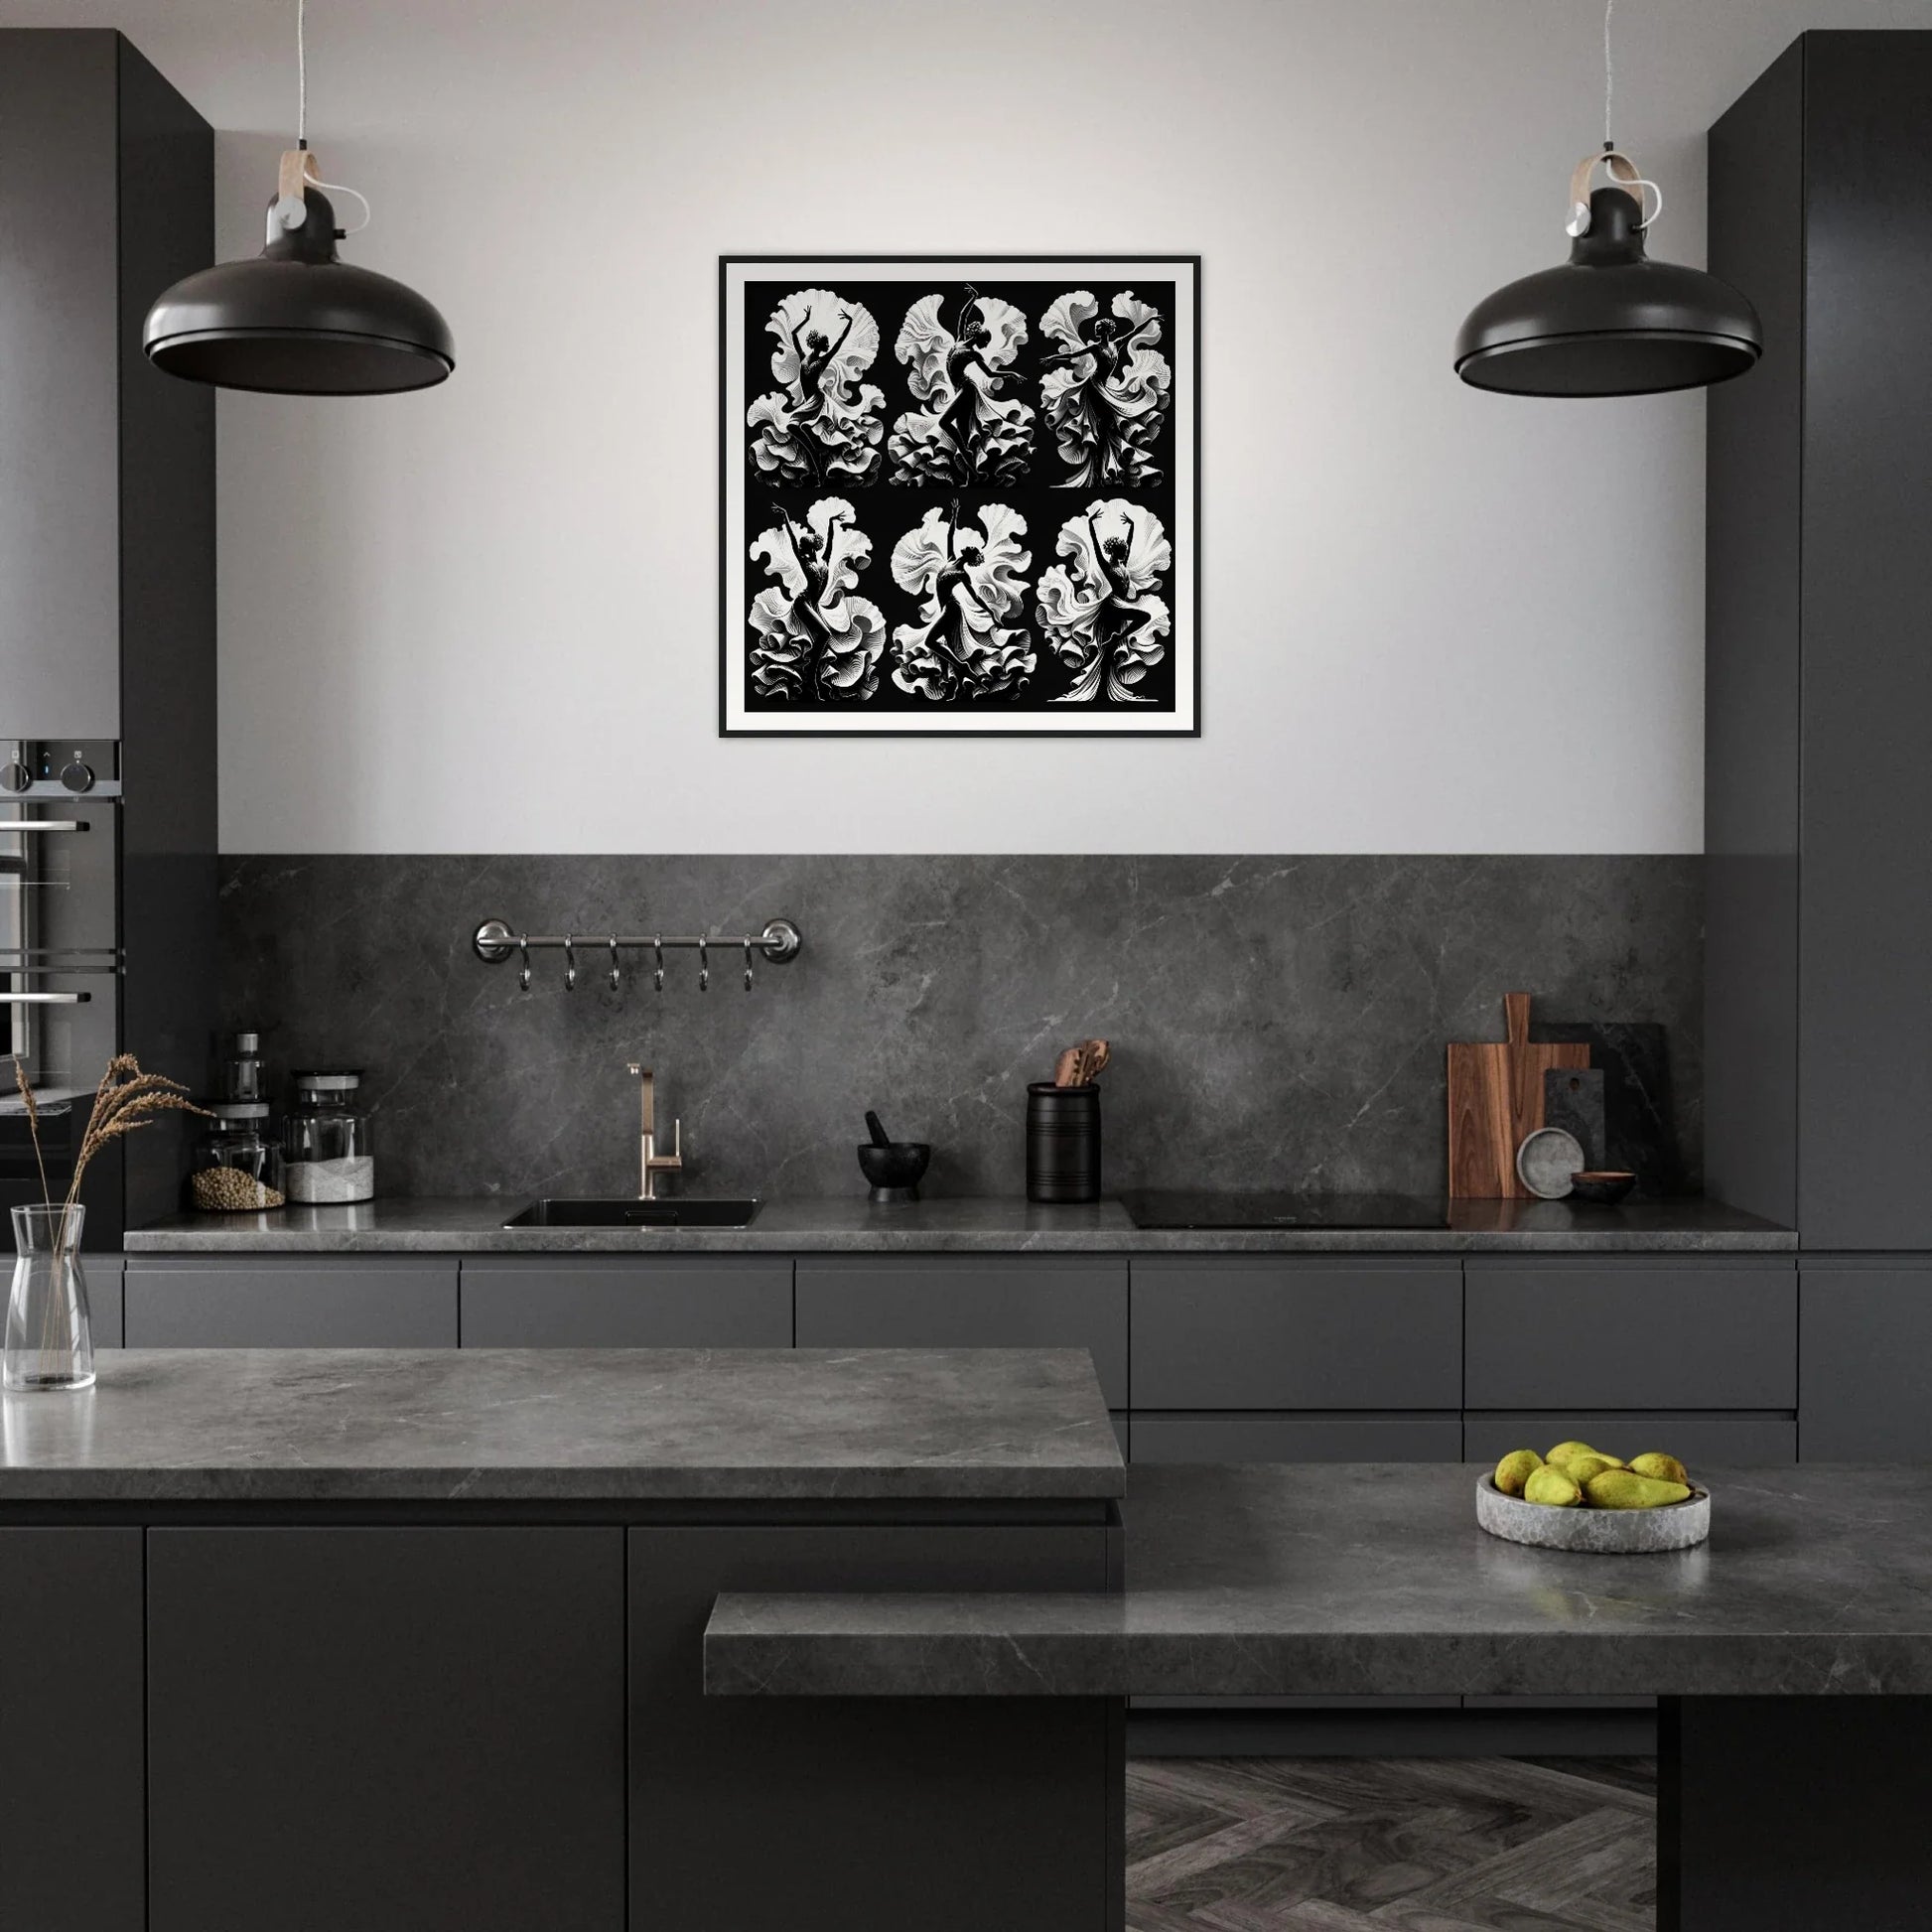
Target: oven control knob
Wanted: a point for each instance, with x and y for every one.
(15, 776)
(77, 776)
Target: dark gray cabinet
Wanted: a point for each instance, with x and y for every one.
(1737, 1440)
(269, 1302)
(72, 1743)
(1263, 1332)
(386, 1728)
(106, 191)
(1865, 1350)
(1544, 1333)
(996, 1301)
(103, 1273)
(615, 1302)
(1298, 1438)
(973, 1813)
(1818, 681)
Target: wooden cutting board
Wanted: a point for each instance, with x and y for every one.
(1495, 1100)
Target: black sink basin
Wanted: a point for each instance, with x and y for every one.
(632, 1214)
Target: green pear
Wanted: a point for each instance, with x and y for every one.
(1624, 1489)
(1666, 1469)
(1563, 1450)
(1550, 1485)
(1515, 1470)
(1579, 1468)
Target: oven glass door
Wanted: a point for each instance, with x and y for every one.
(59, 976)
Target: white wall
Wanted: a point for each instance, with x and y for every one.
(484, 619)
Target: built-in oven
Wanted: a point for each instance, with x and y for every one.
(60, 962)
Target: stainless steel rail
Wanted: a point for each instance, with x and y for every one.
(496, 940)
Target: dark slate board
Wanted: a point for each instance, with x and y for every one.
(1572, 1099)
(1637, 1119)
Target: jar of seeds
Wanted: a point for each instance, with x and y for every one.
(238, 1164)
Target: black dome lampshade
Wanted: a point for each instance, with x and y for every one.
(1610, 321)
(298, 319)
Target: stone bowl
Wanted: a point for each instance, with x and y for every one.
(1599, 1532)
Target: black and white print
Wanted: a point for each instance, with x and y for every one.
(960, 495)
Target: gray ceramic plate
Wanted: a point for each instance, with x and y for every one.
(1546, 1161)
(1599, 1532)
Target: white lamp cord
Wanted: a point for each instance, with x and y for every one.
(1609, 71)
(290, 214)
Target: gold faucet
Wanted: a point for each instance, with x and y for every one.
(650, 1163)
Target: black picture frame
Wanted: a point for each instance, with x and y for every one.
(1176, 713)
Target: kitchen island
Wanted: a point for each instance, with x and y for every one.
(1793, 1651)
(405, 1639)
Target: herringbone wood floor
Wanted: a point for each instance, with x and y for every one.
(1391, 1845)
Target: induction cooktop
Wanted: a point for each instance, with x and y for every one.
(1156, 1208)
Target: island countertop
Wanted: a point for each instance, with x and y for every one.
(962, 1225)
(1373, 1580)
(567, 1425)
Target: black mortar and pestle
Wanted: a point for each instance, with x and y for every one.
(893, 1167)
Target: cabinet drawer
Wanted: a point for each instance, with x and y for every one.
(399, 1303)
(1631, 1335)
(1016, 1301)
(1298, 1438)
(611, 1302)
(1866, 1384)
(1264, 1333)
(1735, 1442)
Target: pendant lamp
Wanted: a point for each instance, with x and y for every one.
(1609, 322)
(298, 319)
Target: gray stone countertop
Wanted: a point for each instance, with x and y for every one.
(1373, 1579)
(603, 1425)
(961, 1226)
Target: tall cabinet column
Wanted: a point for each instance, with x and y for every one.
(1819, 716)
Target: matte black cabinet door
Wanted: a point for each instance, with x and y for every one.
(60, 384)
(1737, 1440)
(612, 1302)
(850, 1814)
(1865, 1345)
(942, 1302)
(1263, 1334)
(1630, 1334)
(386, 1729)
(71, 1730)
(1298, 1438)
(395, 1301)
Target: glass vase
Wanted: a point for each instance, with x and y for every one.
(50, 1338)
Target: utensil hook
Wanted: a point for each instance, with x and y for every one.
(524, 974)
(657, 946)
(616, 971)
(570, 963)
(748, 965)
(704, 966)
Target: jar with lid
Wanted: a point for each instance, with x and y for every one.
(237, 1166)
(238, 1067)
(331, 1157)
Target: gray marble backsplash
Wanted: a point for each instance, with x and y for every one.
(1275, 1023)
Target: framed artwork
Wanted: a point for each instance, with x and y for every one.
(961, 495)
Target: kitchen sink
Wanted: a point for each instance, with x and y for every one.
(629, 1212)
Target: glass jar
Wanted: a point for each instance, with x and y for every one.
(237, 1166)
(331, 1157)
(238, 1068)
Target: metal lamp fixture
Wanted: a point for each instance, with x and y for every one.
(298, 319)
(1610, 321)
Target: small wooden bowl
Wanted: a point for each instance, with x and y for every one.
(1604, 1185)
